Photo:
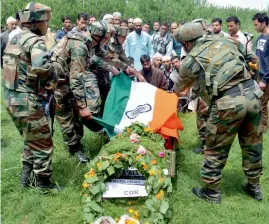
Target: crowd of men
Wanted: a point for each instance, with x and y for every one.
(219, 67)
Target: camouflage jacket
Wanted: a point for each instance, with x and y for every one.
(117, 51)
(105, 60)
(216, 64)
(26, 64)
(72, 54)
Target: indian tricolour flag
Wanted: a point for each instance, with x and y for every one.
(129, 102)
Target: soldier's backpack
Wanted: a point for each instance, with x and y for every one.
(61, 58)
(211, 53)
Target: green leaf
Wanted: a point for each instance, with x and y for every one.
(125, 166)
(91, 180)
(88, 217)
(105, 176)
(98, 197)
(167, 182)
(95, 189)
(110, 170)
(156, 205)
(118, 165)
(105, 164)
(103, 187)
(95, 207)
(86, 209)
(130, 161)
(170, 188)
(149, 204)
(168, 214)
(150, 180)
(164, 207)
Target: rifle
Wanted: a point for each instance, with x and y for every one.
(50, 108)
(188, 101)
(249, 37)
(252, 67)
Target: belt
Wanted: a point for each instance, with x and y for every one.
(235, 90)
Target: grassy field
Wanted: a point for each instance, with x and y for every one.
(30, 207)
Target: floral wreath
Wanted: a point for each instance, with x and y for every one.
(136, 147)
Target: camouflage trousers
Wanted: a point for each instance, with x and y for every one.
(265, 100)
(201, 119)
(93, 97)
(230, 116)
(94, 100)
(67, 111)
(26, 111)
(67, 115)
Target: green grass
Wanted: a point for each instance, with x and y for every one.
(31, 207)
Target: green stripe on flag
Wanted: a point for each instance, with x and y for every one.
(116, 102)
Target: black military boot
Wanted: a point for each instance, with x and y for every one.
(77, 150)
(43, 183)
(27, 170)
(254, 191)
(207, 194)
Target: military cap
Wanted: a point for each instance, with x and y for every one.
(85, 36)
(188, 32)
(35, 12)
(122, 31)
(202, 22)
(102, 29)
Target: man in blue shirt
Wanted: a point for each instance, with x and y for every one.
(138, 43)
(260, 21)
(176, 45)
(67, 23)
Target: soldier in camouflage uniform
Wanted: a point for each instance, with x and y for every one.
(115, 45)
(115, 53)
(202, 108)
(219, 68)
(101, 32)
(70, 57)
(27, 73)
(77, 95)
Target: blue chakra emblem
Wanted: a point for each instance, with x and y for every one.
(132, 114)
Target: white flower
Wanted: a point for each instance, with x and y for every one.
(165, 172)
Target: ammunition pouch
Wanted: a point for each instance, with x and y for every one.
(10, 71)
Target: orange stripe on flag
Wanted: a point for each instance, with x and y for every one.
(165, 120)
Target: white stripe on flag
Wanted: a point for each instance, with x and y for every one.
(140, 105)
